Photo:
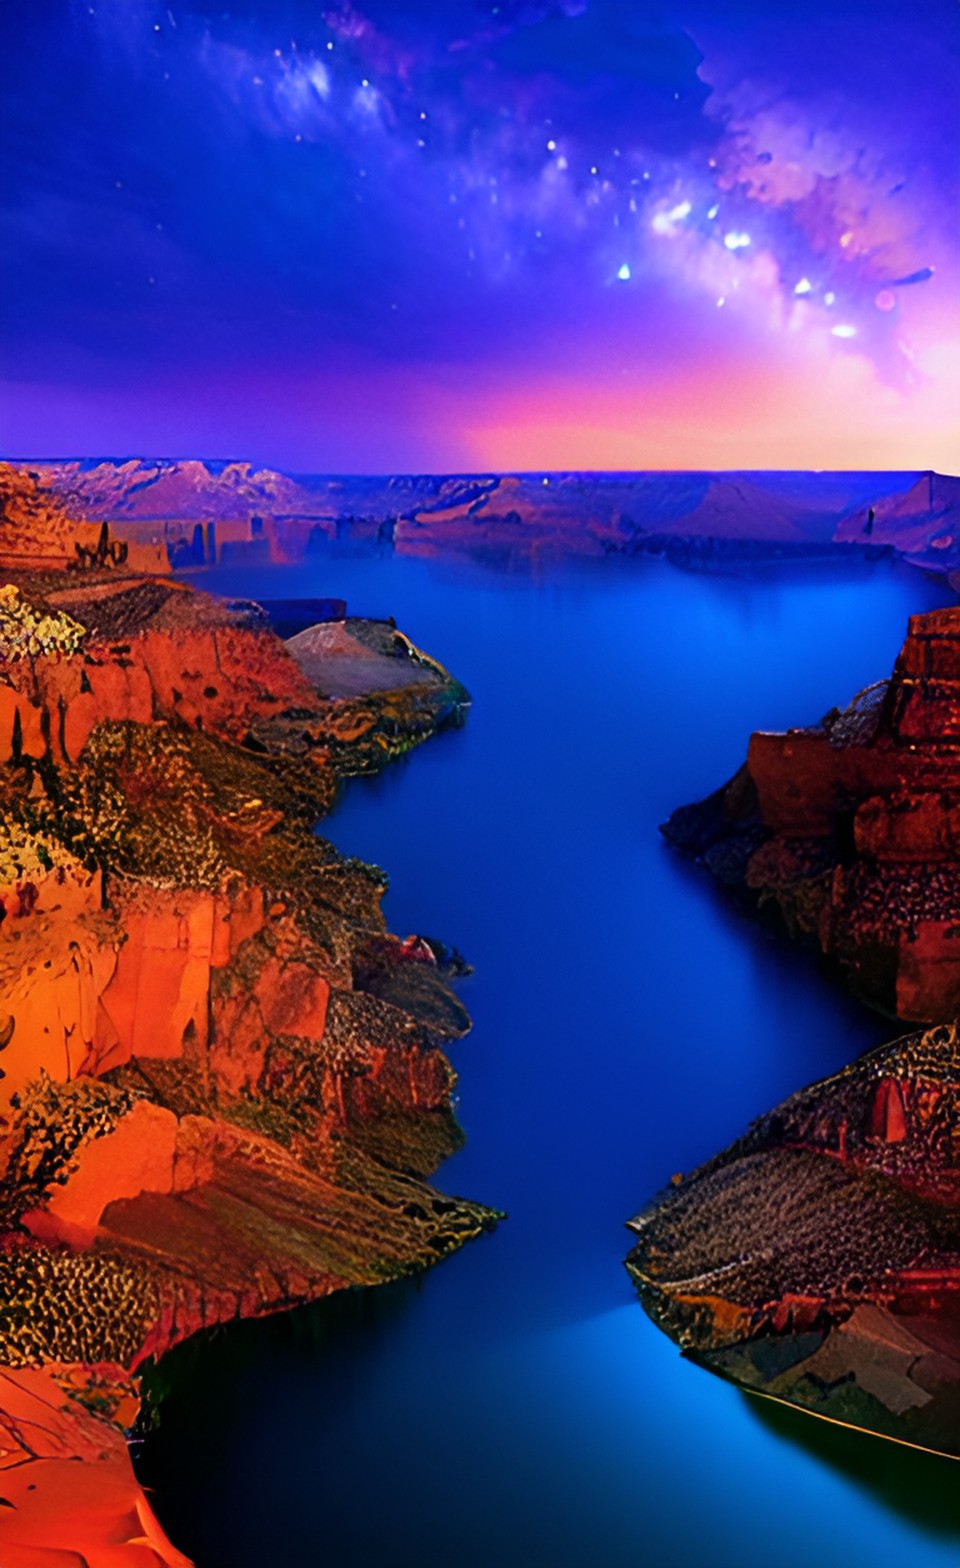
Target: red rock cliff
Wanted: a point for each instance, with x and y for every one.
(223, 1085)
(850, 830)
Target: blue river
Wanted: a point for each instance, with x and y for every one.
(515, 1406)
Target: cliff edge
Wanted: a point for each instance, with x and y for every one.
(223, 1082)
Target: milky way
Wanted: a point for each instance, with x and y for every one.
(594, 233)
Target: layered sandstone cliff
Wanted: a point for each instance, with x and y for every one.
(848, 832)
(817, 1259)
(223, 1086)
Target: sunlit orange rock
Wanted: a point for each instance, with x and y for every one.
(222, 1083)
(136, 1156)
(34, 525)
(68, 1493)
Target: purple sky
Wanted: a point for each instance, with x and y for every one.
(437, 235)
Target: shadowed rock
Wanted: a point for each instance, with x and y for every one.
(817, 1259)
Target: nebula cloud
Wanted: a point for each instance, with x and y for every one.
(390, 236)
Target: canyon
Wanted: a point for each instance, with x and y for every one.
(191, 513)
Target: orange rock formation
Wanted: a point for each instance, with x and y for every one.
(222, 1082)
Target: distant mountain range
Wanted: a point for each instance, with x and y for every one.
(206, 510)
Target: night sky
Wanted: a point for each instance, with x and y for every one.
(421, 234)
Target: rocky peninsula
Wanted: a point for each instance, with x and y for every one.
(817, 1259)
(223, 1087)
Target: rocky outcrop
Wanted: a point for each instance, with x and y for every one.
(149, 649)
(817, 1260)
(848, 833)
(42, 526)
(378, 693)
(223, 1086)
(33, 524)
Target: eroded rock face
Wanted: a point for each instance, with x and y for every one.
(148, 649)
(818, 1258)
(222, 1082)
(849, 832)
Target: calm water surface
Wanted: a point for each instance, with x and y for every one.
(516, 1406)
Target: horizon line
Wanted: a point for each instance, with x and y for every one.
(436, 473)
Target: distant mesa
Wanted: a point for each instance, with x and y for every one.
(921, 523)
(189, 513)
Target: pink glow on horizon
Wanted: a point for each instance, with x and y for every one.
(810, 406)
(830, 412)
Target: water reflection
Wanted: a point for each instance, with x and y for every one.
(923, 1488)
